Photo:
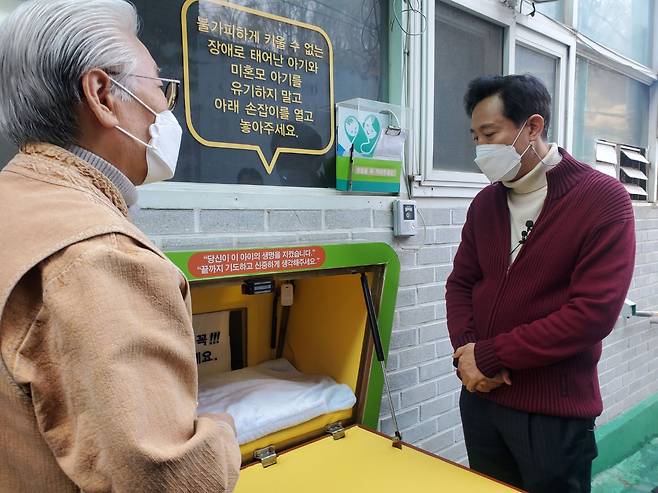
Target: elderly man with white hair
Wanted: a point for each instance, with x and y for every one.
(98, 379)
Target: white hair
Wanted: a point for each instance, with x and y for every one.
(45, 48)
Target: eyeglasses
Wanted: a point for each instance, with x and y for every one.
(170, 88)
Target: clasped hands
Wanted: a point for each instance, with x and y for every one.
(472, 378)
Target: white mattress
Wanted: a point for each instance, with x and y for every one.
(271, 397)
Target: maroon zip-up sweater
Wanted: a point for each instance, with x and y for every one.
(544, 316)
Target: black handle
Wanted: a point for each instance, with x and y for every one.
(275, 306)
(372, 318)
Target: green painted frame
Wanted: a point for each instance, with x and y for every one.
(338, 256)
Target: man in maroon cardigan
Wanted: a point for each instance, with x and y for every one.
(539, 279)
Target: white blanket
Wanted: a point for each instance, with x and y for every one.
(271, 397)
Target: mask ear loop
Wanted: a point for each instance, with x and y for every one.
(144, 105)
(133, 137)
(136, 98)
(519, 135)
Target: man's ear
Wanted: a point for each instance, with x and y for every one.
(96, 88)
(536, 126)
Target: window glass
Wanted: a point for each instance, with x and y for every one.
(609, 106)
(466, 47)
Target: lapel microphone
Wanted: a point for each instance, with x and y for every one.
(524, 235)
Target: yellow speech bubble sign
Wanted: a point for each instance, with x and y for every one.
(274, 59)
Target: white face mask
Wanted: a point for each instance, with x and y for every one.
(163, 146)
(500, 162)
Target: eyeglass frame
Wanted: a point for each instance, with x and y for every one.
(176, 82)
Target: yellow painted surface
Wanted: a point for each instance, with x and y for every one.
(213, 298)
(327, 327)
(284, 437)
(325, 336)
(361, 462)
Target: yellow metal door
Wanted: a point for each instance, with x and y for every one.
(362, 462)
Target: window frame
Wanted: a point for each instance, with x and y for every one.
(543, 45)
(538, 33)
(541, 34)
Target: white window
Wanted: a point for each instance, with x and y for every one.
(554, 9)
(466, 39)
(465, 47)
(609, 106)
(547, 60)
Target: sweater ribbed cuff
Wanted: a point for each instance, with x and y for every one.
(486, 359)
(464, 338)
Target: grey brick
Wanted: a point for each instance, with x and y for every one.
(392, 362)
(435, 217)
(433, 332)
(646, 212)
(232, 221)
(459, 434)
(423, 275)
(294, 220)
(347, 218)
(441, 310)
(448, 234)
(324, 237)
(164, 221)
(434, 255)
(436, 368)
(459, 216)
(448, 383)
(267, 239)
(439, 442)
(419, 432)
(453, 252)
(417, 355)
(195, 242)
(374, 236)
(442, 273)
(606, 376)
(404, 338)
(418, 394)
(418, 315)
(383, 219)
(384, 409)
(433, 292)
(406, 297)
(403, 379)
(456, 453)
(423, 236)
(407, 258)
(405, 420)
(449, 419)
(436, 406)
(444, 347)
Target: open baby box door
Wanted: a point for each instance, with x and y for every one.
(291, 342)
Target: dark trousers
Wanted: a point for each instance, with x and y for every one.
(537, 453)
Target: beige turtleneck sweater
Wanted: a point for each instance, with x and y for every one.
(525, 197)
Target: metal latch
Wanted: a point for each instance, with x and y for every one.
(336, 430)
(266, 456)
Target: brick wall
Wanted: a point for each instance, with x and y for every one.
(425, 389)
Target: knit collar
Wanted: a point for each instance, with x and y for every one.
(561, 178)
(566, 175)
(536, 178)
(119, 180)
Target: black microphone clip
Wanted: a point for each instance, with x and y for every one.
(524, 234)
